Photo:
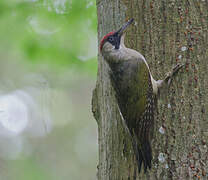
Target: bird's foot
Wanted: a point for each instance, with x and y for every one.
(169, 76)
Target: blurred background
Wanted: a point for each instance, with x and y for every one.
(47, 72)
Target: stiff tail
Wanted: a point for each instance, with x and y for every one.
(143, 155)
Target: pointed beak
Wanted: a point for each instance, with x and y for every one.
(124, 27)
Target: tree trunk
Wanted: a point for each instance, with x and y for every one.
(166, 32)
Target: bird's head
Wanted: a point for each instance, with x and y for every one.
(112, 40)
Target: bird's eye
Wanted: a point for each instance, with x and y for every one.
(111, 39)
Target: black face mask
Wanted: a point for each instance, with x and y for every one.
(115, 40)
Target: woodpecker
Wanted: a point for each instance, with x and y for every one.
(136, 91)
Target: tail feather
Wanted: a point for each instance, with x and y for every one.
(140, 160)
(147, 153)
(143, 155)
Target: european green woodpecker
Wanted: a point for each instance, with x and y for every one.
(136, 91)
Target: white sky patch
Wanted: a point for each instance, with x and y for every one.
(11, 147)
(89, 4)
(13, 113)
(41, 27)
(90, 50)
(24, 112)
(59, 6)
(84, 139)
(89, 46)
(37, 95)
(61, 107)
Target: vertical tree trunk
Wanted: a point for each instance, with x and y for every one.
(166, 32)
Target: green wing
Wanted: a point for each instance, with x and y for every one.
(134, 93)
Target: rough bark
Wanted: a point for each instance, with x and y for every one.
(166, 32)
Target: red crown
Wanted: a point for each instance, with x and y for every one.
(104, 38)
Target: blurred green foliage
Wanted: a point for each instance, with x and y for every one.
(29, 169)
(59, 33)
(62, 35)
